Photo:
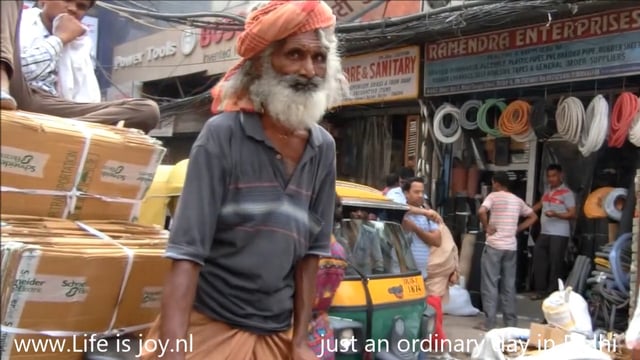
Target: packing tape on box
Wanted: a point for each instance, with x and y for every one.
(127, 271)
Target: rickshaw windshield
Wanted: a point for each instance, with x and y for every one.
(375, 247)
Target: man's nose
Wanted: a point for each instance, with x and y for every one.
(307, 68)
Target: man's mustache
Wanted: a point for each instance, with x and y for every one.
(301, 83)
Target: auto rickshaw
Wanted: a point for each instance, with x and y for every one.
(379, 310)
(383, 294)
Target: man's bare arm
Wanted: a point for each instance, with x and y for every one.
(430, 214)
(570, 214)
(484, 217)
(177, 301)
(305, 285)
(530, 220)
(431, 238)
(537, 206)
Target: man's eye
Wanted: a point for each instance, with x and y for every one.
(295, 54)
(321, 58)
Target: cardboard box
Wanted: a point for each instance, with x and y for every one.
(108, 164)
(67, 279)
(543, 337)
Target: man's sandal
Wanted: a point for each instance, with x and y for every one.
(7, 102)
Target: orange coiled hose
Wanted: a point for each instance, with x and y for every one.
(593, 206)
(624, 111)
(514, 120)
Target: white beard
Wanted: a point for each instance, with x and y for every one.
(296, 110)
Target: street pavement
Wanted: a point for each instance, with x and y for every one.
(459, 329)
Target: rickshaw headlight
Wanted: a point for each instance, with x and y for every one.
(348, 334)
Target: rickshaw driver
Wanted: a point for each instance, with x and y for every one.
(367, 253)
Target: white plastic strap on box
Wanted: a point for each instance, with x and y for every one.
(73, 194)
(62, 333)
(78, 194)
(127, 272)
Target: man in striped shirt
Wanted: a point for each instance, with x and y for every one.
(29, 58)
(499, 257)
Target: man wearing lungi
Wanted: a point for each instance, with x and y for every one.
(258, 202)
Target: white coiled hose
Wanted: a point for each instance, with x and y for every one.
(570, 118)
(596, 126)
(438, 125)
(634, 130)
(464, 114)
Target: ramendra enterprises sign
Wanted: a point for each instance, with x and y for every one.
(588, 47)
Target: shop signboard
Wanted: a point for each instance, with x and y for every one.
(383, 76)
(596, 46)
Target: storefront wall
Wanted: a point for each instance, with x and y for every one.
(598, 47)
(372, 143)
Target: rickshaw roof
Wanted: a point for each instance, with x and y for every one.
(353, 194)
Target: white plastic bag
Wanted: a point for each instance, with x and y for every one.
(459, 302)
(568, 310)
(632, 337)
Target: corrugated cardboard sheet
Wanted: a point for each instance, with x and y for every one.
(106, 170)
(57, 276)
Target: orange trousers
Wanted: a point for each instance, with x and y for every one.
(438, 336)
(210, 339)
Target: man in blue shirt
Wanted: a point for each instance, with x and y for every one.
(424, 232)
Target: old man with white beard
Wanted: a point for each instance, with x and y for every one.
(257, 207)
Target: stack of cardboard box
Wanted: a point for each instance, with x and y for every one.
(75, 266)
(64, 168)
(72, 280)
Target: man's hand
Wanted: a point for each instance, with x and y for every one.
(408, 224)
(303, 352)
(491, 229)
(68, 28)
(453, 278)
(550, 213)
(433, 216)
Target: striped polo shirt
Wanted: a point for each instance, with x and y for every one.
(506, 210)
(419, 248)
(247, 224)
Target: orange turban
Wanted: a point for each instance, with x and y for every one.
(277, 20)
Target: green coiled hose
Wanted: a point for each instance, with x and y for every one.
(482, 116)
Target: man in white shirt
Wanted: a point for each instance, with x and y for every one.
(29, 78)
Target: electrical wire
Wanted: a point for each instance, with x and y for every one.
(464, 114)
(596, 126)
(442, 133)
(634, 130)
(514, 121)
(363, 36)
(609, 203)
(624, 111)
(570, 119)
(482, 116)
